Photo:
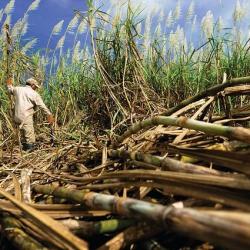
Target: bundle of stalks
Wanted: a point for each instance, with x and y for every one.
(125, 95)
(183, 176)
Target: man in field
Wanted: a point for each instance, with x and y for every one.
(26, 101)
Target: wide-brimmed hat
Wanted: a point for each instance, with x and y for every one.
(32, 81)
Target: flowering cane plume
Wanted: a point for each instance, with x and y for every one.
(177, 41)
(25, 25)
(82, 27)
(34, 5)
(20, 28)
(207, 24)
(1, 15)
(170, 19)
(190, 12)
(181, 38)
(158, 30)
(172, 40)
(220, 24)
(29, 45)
(161, 16)
(73, 23)
(55, 31)
(238, 13)
(60, 42)
(119, 7)
(177, 11)
(57, 28)
(117, 18)
(76, 52)
(17, 28)
(194, 23)
(9, 7)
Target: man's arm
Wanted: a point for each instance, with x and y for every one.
(40, 104)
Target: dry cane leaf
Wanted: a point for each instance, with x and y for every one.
(25, 180)
(18, 192)
(56, 229)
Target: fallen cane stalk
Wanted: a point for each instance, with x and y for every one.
(11, 228)
(229, 182)
(85, 228)
(237, 133)
(208, 92)
(52, 226)
(130, 236)
(165, 163)
(224, 232)
(218, 195)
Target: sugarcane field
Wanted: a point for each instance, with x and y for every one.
(124, 124)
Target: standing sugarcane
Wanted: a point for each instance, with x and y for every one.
(8, 59)
(8, 42)
(1, 139)
(8, 50)
(8, 71)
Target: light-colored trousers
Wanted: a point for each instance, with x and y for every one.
(27, 130)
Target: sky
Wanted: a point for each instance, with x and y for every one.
(50, 12)
(42, 20)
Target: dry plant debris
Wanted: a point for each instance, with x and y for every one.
(179, 181)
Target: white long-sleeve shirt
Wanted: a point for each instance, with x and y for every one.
(26, 100)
